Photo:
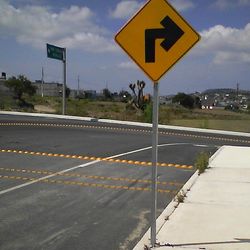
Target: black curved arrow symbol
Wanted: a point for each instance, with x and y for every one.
(171, 33)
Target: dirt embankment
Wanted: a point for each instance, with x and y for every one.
(44, 109)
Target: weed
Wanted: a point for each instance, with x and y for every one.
(180, 197)
(148, 113)
(201, 162)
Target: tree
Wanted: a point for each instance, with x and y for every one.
(197, 102)
(248, 106)
(138, 98)
(19, 86)
(184, 100)
(67, 92)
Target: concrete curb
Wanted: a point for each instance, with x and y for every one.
(139, 124)
(47, 115)
(172, 206)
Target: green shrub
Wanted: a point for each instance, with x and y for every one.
(148, 113)
(201, 162)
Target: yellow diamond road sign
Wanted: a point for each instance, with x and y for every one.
(156, 38)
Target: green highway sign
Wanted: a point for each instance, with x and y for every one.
(59, 53)
(55, 52)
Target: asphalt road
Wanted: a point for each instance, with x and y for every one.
(86, 185)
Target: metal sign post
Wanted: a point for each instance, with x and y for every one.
(154, 161)
(64, 82)
(59, 53)
(156, 38)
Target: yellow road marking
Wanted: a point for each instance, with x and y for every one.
(119, 129)
(85, 184)
(47, 172)
(92, 158)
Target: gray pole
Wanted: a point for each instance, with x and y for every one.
(64, 82)
(78, 86)
(154, 162)
(42, 82)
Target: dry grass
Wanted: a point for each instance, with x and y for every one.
(208, 119)
(171, 115)
(230, 125)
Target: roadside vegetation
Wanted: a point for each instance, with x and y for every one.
(201, 162)
(168, 114)
(180, 197)
(207, 119)
(184, 111)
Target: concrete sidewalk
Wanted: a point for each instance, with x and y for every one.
(216, 212)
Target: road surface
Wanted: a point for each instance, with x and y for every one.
(86, 185)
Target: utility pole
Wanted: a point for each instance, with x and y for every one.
(78, 86)
(237, 91)
(42, 82)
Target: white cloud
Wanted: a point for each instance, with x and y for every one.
(226, 44)
(223, 57)
(182, 5)
(92, 42)
(127, 65)
(224, 4)
(36, 25)
(125, 9)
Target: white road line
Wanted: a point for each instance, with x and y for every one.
(68, 170)
(206, 146)
(47, 177)
(161, 145)
(88, 164)
(128, 153)
(174, 144)
(147, 148)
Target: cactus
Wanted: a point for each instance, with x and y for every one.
(138, 98)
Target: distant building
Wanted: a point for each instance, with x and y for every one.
(207, 102)
(230, 99)
(166, 99)
(48, 89)
(3, 76)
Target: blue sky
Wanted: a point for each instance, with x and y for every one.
(87, 29)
